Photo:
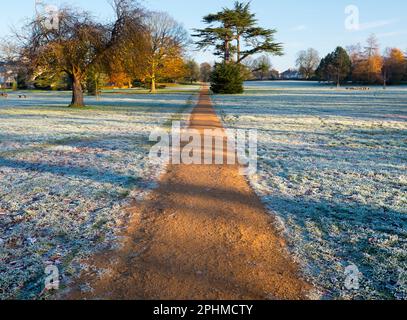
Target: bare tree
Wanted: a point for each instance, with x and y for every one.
(307, 62)
(372, 46)
(9, 51)
(261, 67)
(9, 58)
(192, 71)
(355, 53)
(205, 72)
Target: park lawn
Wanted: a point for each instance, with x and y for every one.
(169, 88)
(68, 174)
(332, 169)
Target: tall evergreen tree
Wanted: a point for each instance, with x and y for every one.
(235, 35)
(335, 67)
(235, 32)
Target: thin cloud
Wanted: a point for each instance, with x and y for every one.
(391, 34)
(376, 24)
(299, 28)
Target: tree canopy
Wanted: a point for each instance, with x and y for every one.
(167, 40)
(235, 35)
(78, 45)
(307, 62)
(335, 67)
(394, 66)
(137, 45)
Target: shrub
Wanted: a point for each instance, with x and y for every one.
(227, 78)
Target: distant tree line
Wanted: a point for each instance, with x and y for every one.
(260, 68)
(357, 64)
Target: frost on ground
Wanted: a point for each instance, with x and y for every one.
(332, 168)
(67, 175)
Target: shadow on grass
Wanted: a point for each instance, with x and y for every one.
(99, 175)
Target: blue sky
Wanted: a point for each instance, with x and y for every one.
(301, 24)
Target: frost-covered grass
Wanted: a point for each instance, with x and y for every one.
(67, 175)
(170, 88)
(332, 168)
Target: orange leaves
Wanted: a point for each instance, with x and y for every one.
(172, 67)
(368, 69)
(396, 56)
(375, 65)
(394, 65)
(120, 79)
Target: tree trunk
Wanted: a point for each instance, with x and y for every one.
(384, 80)
(227, 50)
(77, 92)
(338, 84)
(153, 85)
(238, 49)
(153, 88)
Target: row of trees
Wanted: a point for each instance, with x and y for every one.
(190, 72)
(195, 72)
(368, 65)
(148, 46)
(365, 65)
(138, 45)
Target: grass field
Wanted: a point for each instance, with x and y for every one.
(332, 168)
(67, 174)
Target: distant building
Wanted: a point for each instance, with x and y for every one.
(7, 75)
(290, 74)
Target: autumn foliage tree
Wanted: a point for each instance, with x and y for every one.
(80, 46)
(73, 46)
(166, 42)
(125, 60)
(367, 63)
(394, 66)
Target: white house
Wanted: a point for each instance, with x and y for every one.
(290, 74)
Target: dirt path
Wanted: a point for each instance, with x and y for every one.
(203, 234)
